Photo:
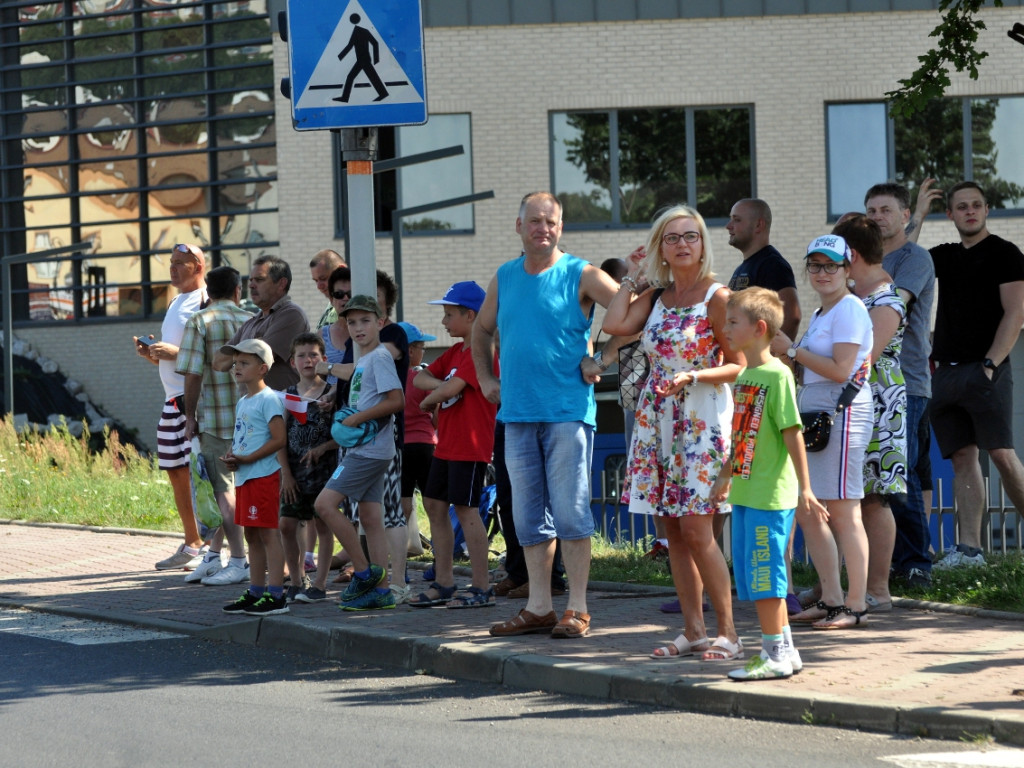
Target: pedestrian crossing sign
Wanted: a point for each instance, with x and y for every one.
(356, 64)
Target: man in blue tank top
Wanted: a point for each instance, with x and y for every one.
(540, 306)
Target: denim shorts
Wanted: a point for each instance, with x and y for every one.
(549, 468)
(759, 540)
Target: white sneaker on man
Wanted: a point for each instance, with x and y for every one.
(203, 570)
(229, 574)
(957, 558)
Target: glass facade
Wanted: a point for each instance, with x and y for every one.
(132, 125)
(619, 168)
(950, 140)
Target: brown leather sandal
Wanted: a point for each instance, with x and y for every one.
(525, 623)
(572, 624)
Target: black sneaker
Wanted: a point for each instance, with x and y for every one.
(267, 605)
(917, 578)
(247, 600)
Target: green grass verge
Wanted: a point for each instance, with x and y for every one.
(59, 478)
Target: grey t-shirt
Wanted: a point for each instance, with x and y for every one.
(912, 270)
(374, 376)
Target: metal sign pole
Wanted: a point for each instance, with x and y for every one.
(358, 151)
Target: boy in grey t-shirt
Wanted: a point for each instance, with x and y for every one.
(376, 393)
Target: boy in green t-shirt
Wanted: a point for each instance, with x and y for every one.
(768, 475)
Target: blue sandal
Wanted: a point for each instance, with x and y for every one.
(423, 600)
(473, 597)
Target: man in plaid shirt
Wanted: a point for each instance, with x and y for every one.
(213, 395)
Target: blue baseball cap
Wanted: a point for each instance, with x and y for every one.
(414, 334)
(466, 294)
(833, 246)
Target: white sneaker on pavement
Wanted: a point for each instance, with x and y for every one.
(181, 559)
(203, 570)
(229, 574)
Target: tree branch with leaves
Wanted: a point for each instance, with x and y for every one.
(957, 36)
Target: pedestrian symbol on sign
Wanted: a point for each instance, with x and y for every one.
(357, 68)
(361, 42)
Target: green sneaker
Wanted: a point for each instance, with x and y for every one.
(359, 587)
(371, 601)
(763, 668)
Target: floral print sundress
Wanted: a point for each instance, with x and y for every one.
(885, 463)
(679, 441)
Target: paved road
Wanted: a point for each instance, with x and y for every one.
(88, 694)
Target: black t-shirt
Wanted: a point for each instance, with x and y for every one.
(765, 269)
(969, 309)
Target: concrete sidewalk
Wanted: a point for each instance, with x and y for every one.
(922, 669)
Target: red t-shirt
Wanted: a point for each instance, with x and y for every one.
(465, 424)
(419, 427)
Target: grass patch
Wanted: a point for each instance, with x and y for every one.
(58, 478)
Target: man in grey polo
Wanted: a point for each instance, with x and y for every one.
(913, 272)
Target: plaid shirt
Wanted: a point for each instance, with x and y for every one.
(205, 332)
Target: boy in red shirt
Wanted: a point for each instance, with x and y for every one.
(465, 442)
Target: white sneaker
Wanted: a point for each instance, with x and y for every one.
(229, 574)
(181, 559)
(957, 558)
(203, 570)
(763, 668)
(402, 594)
(794, 659)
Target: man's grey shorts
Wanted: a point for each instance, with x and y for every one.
(212, 448)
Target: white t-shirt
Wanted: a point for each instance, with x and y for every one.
(847, 322)
(171, 331)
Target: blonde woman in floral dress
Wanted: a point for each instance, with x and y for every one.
(684, 419)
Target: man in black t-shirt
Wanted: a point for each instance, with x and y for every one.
(749, 227)
(979, 317)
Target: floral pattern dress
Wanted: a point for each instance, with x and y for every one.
(679, 441)
(885, 463)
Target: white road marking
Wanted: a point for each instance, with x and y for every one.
(994, 758)
(65, 629)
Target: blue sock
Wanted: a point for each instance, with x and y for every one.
(382, 591)
(275, 592)
(256, 590)
(364, 575)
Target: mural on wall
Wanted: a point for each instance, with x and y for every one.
(157, 128)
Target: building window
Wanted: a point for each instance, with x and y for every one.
(951, 140)
(421, 184)
(618, 168)
(132, 126)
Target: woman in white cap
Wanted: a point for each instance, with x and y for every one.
(835, 352)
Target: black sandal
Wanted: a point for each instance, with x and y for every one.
(831, 611)
(835, 611)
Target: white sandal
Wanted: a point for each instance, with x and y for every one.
(724, 650)
(683, 648)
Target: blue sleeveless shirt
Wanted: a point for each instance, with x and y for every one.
(543, 335)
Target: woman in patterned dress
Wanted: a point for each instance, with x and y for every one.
(684, 418)
(885, 465)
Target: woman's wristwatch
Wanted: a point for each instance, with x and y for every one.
(791, 352)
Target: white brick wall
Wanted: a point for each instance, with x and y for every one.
(510, 78)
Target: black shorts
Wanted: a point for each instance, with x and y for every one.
(456, 482)
(969, 409)
(416, 460)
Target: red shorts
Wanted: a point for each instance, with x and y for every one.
(258, 501)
